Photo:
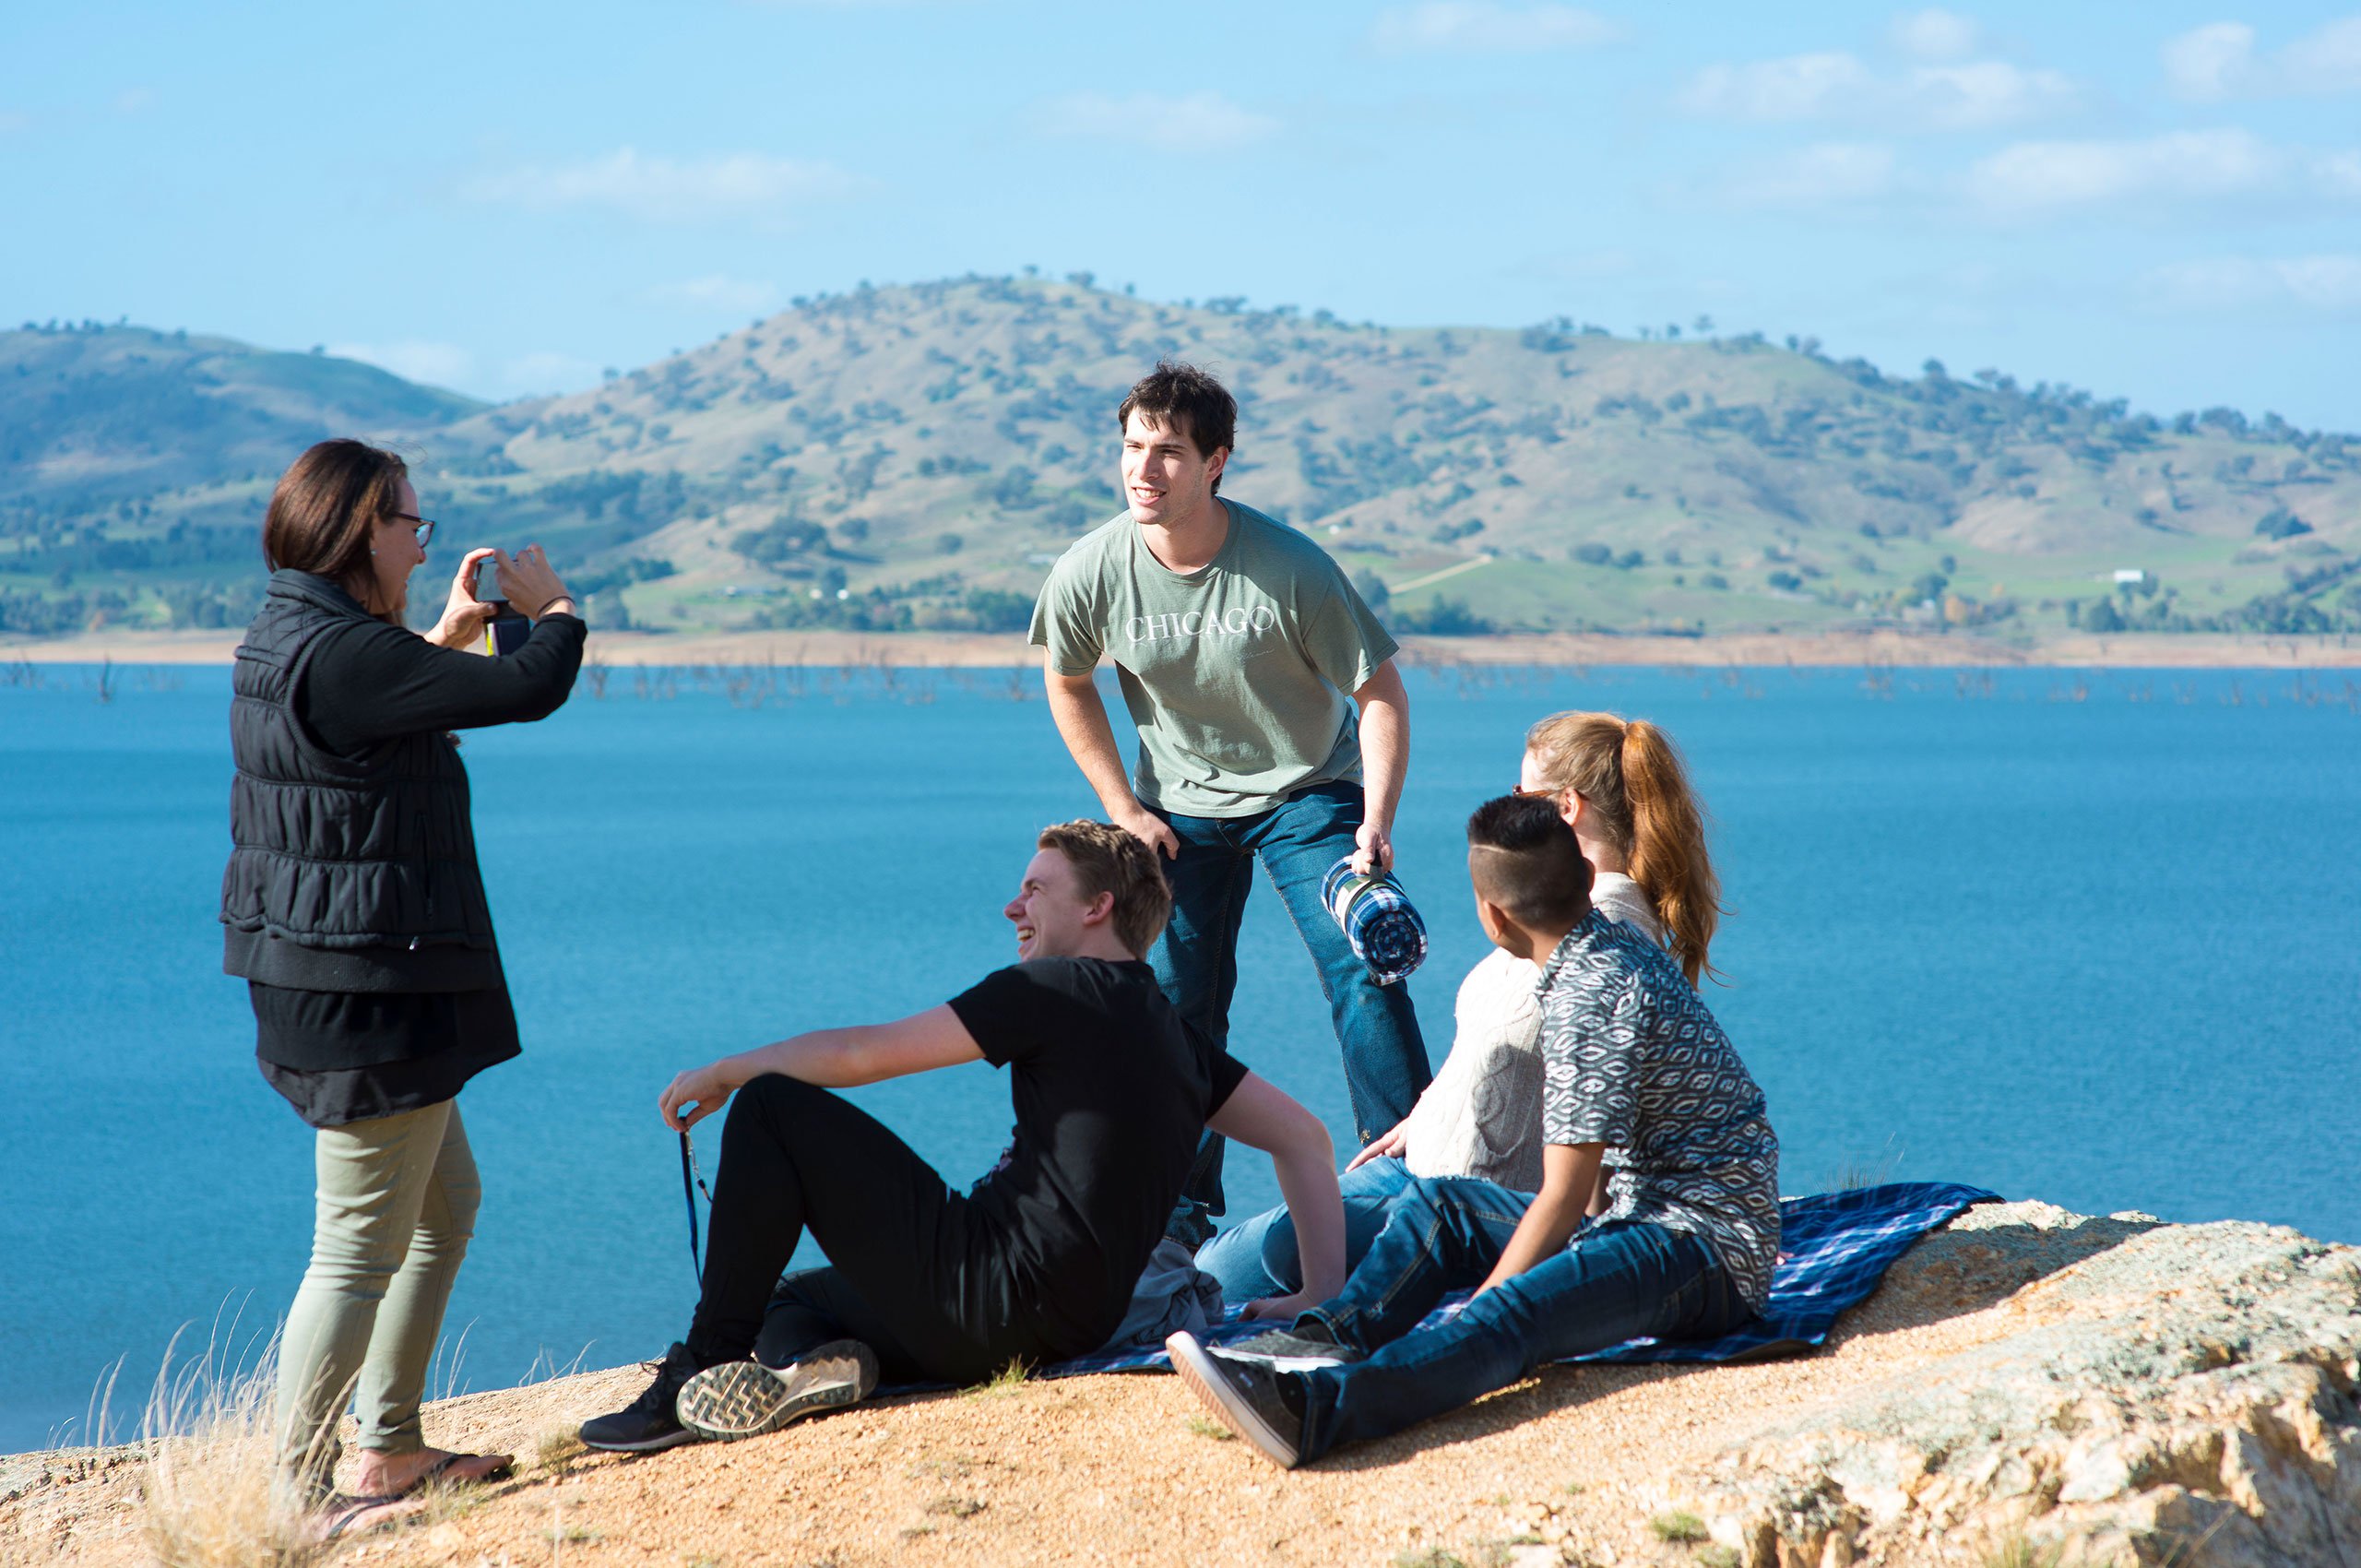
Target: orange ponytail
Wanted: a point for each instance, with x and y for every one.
(1667, 852)
(1629, 776)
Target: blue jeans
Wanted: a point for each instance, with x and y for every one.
(1615, 1280)
(1196, 959)
(1257, 1257)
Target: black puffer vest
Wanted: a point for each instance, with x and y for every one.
(348, 873)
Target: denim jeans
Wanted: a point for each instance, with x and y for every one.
(1258, 1257)
(1196, 959)
(1615, 1280)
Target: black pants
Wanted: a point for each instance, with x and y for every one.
(916, 1273)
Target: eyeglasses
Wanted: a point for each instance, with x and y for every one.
(425, 530)
(1545, 790)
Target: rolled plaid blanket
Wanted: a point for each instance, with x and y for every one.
(1376, 917)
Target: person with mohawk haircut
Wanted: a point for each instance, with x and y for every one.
(1633, 1063)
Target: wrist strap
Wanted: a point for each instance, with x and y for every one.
(690, 1180)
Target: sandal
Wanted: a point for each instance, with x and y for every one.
(504, 1468)
(341, 1513)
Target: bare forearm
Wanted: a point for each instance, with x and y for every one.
(1082, 724)
(1543, 1232)
(828, 1058)
(1568, 1175)
(1307, 1184)
(1386, 743)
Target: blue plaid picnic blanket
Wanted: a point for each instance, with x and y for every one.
(1833, 1247)
(1385, 931)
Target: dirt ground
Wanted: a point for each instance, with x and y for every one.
(1124, 1468)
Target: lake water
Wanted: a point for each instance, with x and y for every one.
(2085, 938)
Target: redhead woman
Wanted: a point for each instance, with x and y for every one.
(1620, 785)
(353, 909)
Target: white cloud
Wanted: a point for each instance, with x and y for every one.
(1829, 174)
(1969, 95)
(1485, 27)
(449, 365)
(2311, 283)
(438, 364)
(1801, 87)
(2051, 176)
(2329, 61)
(1197, 119)
(1935, 35)
(2219, 61)
(2210, 62)
(716, 292)
(542, 372)
(663, 189)
(1985, 93)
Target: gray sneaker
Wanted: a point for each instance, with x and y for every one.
(1249, 1396)
(746, 1398)
(1283, 1351)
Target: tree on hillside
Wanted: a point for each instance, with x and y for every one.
(771, 545)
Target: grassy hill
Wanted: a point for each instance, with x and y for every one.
(134, 461)
(914, 457)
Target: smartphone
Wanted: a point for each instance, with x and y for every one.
(506, 631)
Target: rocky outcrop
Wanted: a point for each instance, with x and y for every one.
(2181, 1395)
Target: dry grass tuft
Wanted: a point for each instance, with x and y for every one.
(212, 1496)
(1009, 1380)
(556, 1449)
(2018, 1551)
(957, 1507)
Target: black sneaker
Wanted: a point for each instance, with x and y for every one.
(746, 1398)
(1283, 1349)
(1250, 1398)
(649, 1422)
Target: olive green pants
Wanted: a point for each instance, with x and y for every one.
(397, 1204)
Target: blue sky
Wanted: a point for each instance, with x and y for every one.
(2159, 201)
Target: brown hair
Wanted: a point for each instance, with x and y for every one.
(1187, 401)
(1630, 774)
(324, 508)
(1109, 860)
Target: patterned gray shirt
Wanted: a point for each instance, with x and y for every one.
(1632, 1060)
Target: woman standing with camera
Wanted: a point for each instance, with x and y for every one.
(353, 909)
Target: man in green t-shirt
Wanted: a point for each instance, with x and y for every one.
(1273, 725)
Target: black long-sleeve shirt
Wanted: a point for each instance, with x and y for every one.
(372, 682)
(414, 1042)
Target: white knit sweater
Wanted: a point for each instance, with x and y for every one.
(1482, 1114)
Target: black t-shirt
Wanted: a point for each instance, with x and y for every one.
(1111, 1091)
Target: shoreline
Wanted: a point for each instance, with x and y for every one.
(966, 651)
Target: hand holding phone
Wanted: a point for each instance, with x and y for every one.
(505, 630)
(526, 578)
(464, 612)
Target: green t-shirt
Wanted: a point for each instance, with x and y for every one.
(1237, 673)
